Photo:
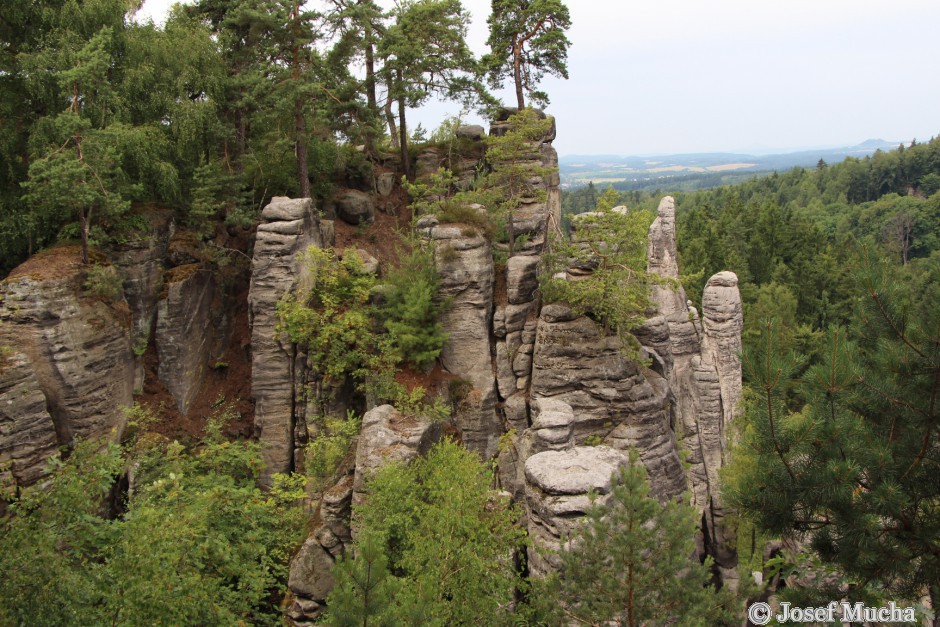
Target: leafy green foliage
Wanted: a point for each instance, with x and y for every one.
(630, 562)
(447, 538)
(515, 176)
(331, 319)
(329, 447)
(198, 542)
(425, 53)
(853, 471)
(341, 330)
(364, 587)
(104, 282)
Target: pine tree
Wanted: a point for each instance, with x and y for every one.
(425, 53)
(448, 538)
(853, 473)
(527, 39)
(364, 587)
(631, 562)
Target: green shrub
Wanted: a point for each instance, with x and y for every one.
(441, 541)
(199, 542)
(329, 447)
(412, 311)
(332, 320)
(104, 282)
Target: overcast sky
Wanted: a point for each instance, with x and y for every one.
(679, 76)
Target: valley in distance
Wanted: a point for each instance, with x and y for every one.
(692, 171)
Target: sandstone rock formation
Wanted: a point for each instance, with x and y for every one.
(704, 375)
(355, 207)
(557, 490)
(69, 369)
(465, 264)
(290, 227)
(188, 333)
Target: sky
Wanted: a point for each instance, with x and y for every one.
(683, 76)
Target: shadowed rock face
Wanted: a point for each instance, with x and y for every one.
(465, 263)
(290, 227)
(69, 375)
(188, 334)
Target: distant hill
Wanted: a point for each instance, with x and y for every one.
(697, 170)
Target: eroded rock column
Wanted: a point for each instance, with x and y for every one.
(290, 227)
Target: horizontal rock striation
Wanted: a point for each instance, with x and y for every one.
(290, 227)
(70, 373)
(558, 485)
(704, 375)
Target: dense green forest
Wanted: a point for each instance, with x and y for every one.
(228, 104)
(792, 237)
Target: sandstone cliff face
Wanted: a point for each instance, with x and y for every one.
(465, 264)
(290, 227)
(557, 495)
(189, 331)
(70, 373)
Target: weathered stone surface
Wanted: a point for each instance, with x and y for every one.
(284, 209)
(27, 432)
(276, 368)
(292, 227)
(69, 348)
(521, 278)
(427, 163)
(470, 131)
(505, 379)
(311, 569)
(187, 337)
(386, 436)
(355, 207)
(311, 572)
(516, 410)
(465, 264)
(700, 359)
(140, 262)
(722, 323)
(611, 396)
(385, 183)
(557, 484)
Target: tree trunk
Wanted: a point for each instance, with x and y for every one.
(390, 119)
(83, 223)
(403, 130)
(371, 100)
(300, 122)
(241, 133)
(517, 74)
(300, 146)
